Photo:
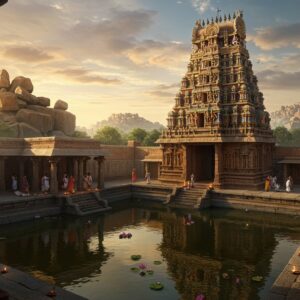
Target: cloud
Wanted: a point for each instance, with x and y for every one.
(161, 94)
(202, 5)
(279, 80)
(86, 76)
(268, 38)
(27, 54)
(159, 54)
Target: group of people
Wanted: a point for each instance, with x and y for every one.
(68, 183)
(23, 188)
(271, 184)
(187, 184)
(134, 176)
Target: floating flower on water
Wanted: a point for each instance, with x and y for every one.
(142, 266)
(129, 235)
(225, 275)
(4, 270)
(52, 293)
(257, 278)
(157, 286)
(200, 297)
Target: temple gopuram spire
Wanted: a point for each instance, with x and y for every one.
(219, 100)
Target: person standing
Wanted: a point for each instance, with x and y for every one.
(45, 184)
(65, 182)
(267, 184)
(71, 185)
(147, 177)
(24, 186)
(89, 181)
(288, 185)
(85, 183)
(14, 183)
(192, 180)
(133, 175)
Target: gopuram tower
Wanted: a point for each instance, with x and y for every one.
(218, 129)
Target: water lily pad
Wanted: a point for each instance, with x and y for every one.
(134, 269)
(142, 273)
(157, 262)
(257, 278)
(136, 257)
(157, 286)
(150, 272)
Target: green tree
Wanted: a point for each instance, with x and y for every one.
(109, 136)
(282, 136)
(295, 137)
(80, 134)
(151, 137)
(137, 134)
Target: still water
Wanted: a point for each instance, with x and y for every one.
(86, 256)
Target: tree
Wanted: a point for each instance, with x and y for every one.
(108, 136)
(295, 136)
(80, 134)
(151, 137)
(282, 136)
(137, 134)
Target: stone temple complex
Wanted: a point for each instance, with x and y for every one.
(218, 129)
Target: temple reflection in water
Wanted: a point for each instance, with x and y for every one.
(197, 256)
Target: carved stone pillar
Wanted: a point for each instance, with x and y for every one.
(75, 171)
(100, 172)
(218, 165)
(2, 174)
(80, 173)
(53, 176)
(35, 174)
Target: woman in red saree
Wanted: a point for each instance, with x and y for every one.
(71, 185)
(24, 185)
(133, 175)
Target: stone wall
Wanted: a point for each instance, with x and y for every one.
(120, 160)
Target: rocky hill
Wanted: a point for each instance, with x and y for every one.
(26, 115)
(125, 122)
(287, 116)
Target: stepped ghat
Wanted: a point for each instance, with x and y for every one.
(218, 129)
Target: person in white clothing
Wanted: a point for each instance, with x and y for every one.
(288, 185)
(45, 184)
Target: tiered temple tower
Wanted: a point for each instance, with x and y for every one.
(218, 128)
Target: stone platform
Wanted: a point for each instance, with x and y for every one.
(287, 285)
(21, 286)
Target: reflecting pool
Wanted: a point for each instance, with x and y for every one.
(216, 255)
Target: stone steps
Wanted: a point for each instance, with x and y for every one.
(188, 198)
(87, 203)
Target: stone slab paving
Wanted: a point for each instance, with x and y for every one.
(287, 284)
(21, 286)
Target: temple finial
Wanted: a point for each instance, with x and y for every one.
(229, 17)
(225, 18)
(220, 19)
(207, 22)
(203, 23)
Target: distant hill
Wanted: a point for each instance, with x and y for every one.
(125, 122)
(287, 116)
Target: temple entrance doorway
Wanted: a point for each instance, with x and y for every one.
(202, 162)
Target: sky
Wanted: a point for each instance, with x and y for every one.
(118, 56)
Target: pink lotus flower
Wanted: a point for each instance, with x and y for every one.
(142, 266)
(200, 297)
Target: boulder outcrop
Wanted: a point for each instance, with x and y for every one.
(30, 116)
(60, 104)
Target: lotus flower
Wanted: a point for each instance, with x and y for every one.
(129, 235)
(142, 266)
(200, 297)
